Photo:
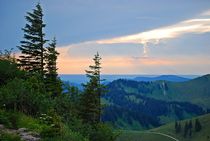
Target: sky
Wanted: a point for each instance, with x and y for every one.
(132, 36)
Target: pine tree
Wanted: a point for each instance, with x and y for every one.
(176, 127)
(186, 129)
(32, 47)
(198, 126)
(179, 127)
(52, 81)
(90, 100)
(190, 128)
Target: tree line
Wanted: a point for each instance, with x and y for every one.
(187, 129)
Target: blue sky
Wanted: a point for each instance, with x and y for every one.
(133, 36)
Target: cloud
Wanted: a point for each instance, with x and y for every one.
(135, 65)
(198, 25)
(189, 26)
(206, 13)
(117, 53)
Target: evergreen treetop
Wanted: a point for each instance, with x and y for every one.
(32, 47)
(90, 100)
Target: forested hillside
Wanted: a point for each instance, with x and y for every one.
(143, 105)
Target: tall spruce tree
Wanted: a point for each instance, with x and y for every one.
(186, 127)
(190, 126)
(52, 81)
(176, 126)
(90, 100)
(198, 126)
(32, 47)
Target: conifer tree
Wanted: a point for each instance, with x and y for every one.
(190, 126)
(176, 127)
(198, 126)
(32, 47)
(90, 100)
(179, 127)
(186, 129)
(52, 81)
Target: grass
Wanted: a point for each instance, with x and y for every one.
(203, 135)
(17, 120)
(141, 136)
(8, 137)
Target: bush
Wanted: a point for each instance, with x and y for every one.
(9, 71)
(8, 119)
(103, 132)
(67, 135)
(4, 119)
(9, 137)
(53, 121)
(27, 96)
(30, 123)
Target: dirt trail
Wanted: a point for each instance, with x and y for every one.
(158, 133)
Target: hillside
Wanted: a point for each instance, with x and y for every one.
(144, 105)
(154, 134)
(130, 111)
(196, 91)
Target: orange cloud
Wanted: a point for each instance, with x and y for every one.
(173, 31)
(117, 64)
(132, 65)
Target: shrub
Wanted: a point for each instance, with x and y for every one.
(55, 127)
(27, 96)
(103, 132)
(4, 119)
(9, 137)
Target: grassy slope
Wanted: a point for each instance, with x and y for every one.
(196, 91)
(169, 129)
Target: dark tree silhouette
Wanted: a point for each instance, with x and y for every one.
(198, 126)
(90, 100)
(52, 81)
(32, 47)
(186, 127)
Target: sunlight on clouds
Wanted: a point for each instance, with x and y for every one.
(174, 31)
(193, 26)
(76, 58)
(206, 13)
(129, 65)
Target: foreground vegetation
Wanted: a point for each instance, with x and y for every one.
(33, 97)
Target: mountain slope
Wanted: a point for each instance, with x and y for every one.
(144, 105)
(203, 135)
(130, 111)
(196, 91)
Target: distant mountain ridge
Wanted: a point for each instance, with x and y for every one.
(172, 78)
(81, 78)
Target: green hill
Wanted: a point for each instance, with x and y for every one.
(136, 105)
(196, 91)
(167, 133)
